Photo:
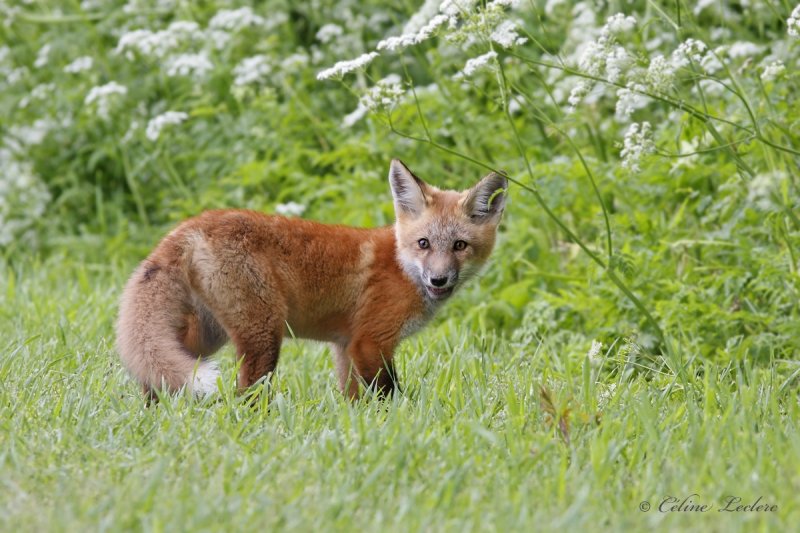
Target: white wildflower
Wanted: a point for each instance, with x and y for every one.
(253, 69)
(578, 92)
(773, 71)
(184, 28)
(515, 104)
(745, 49)
(511, 4)
(29, 135)
(394, 44)
(711, 87)
(454, 8)
(23, 198)
(593, 58)
(660, 74)
(764, 190)
(689, 50)
(426, 22)
(425, 13)
(234, 20)
(294, 62)
(594, 352)
(619, 23)
(156, 124)
(603, 56)
(17, 74)
(42, 57)
(79, 65)
(475, 64)
(793, 23)
(43, 91)
(329, 32)
(551, 6)
(720, 34)
(344, 67)
(629, 99)
(617, 62)
(196, 65)
(506, 34)
(133, 130)
(290, 209)
(429, 29)
(220, 38)
(607, 393)
(158, 43)
(384, 94)
(703, 4)
(638, 143)
(103, 96)
(355, 115)
(137, 6)
(147, 43)
(711, 62)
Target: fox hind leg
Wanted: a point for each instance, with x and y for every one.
(258, 351)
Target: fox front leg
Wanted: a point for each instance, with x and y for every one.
(364, 360)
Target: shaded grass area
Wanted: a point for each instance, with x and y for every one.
(492, 432)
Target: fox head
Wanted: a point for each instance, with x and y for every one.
(444, 237)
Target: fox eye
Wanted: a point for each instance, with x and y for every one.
(459, 245)
(424, 244)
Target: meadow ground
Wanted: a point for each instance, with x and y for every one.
(627, 361)
(496, 430)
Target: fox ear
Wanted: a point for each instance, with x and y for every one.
(486, 200)
(407, 189)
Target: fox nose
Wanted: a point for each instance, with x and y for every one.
(438, 282)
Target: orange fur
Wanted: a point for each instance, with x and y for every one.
(246, 276)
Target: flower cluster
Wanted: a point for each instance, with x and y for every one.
(329, 32)
(603, 56)
(506, 34)
(234, 20)
(103, 96)
(43, 56)
(344, 67)
(773, 71)
(594, 351)
(793, 23)
(158, 43)
(23, 198)
(156, 124)
(79, 65)
(196, 65)
(290, 209)
(629, 99)
(475, 64)
(638, 143)
(488, 22)
(691, 50)
(251, 70)
(383, 95)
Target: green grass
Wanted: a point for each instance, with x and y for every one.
(686, 270)
(493, 432)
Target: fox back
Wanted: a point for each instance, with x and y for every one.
(251, 278)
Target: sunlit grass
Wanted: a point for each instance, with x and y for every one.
(490, 434)
(685, 272)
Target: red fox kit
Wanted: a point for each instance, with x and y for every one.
(251, 278)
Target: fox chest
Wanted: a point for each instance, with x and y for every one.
(414, 324)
